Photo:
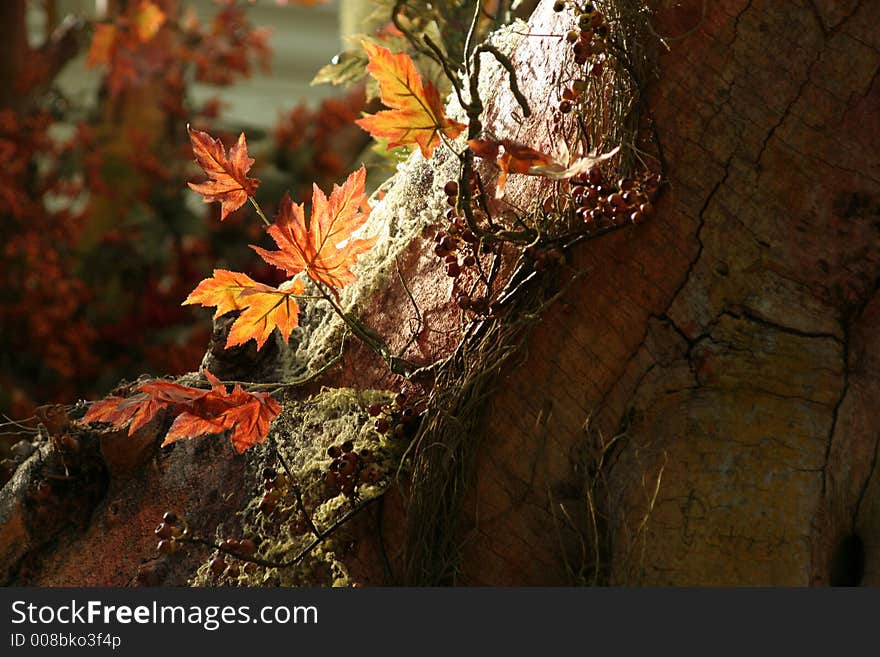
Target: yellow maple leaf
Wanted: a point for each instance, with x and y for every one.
(416, 114)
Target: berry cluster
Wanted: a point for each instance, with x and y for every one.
(274, 485)
(600, 203)
(349, 468)
(222, 563)
(400, 419)
(588, 45)
(457, 245)
(171, 532)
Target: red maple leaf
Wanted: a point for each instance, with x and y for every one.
(245, 415)
(228, 182)
(324, 248)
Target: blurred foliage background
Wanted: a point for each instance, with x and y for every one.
(101, 239)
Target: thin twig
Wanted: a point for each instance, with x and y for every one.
(302, 554)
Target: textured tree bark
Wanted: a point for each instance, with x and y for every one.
(698, 408)
(708, 387)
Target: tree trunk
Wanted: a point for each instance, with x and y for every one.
(697, 409)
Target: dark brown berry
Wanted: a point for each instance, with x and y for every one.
(269, 473)
(469, 261)
(267, 505)
(381, 425)
(347, 446)
(218, 565)
(234, 570)
(348, 468)
(166, 546)
(565, 106)
(170, 517)
(558, 6)
(452, 269)
(646, 209)
(451, 188)
(164, 531)
(247, 547)
(333, 451)
(374, 409)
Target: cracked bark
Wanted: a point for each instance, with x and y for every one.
(744, 368)
(731, 344)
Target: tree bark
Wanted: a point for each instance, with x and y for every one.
(698, 409)
(708, 386)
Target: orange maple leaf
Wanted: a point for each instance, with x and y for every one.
(246, 415)
(265, 308)
(416, 114)
(325, 248)
(136, 411)
(228, 181)
(147, 19)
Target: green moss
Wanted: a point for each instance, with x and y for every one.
(302, 433)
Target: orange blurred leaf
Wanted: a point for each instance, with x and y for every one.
(416, 114)
(324, 249)
(103, 41)
(147, 19)
(265, 308)
(228, 182)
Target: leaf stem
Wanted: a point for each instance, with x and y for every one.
(259, 210)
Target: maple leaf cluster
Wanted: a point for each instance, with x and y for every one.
(323, 247)
(246, 415)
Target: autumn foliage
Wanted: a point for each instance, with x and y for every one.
(416, 114)
(99, 244)
(324, 249)
(228, 182)
(198, 412)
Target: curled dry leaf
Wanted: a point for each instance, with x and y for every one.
(513, 157)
